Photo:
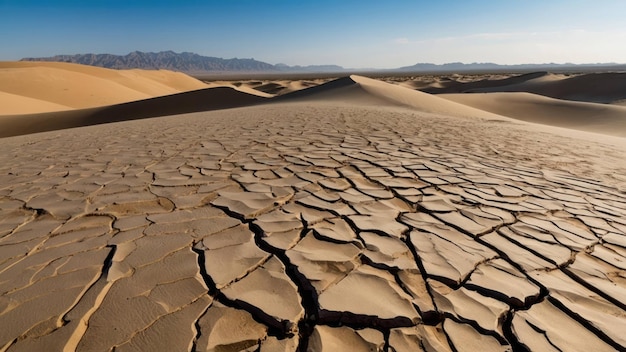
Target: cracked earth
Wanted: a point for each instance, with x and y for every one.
(303, 227)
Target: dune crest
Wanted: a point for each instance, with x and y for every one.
(418, 100)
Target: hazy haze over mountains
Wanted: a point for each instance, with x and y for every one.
(194, 63)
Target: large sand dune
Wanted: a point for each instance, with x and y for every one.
(197, 100)
(78, 86)
(352, 216)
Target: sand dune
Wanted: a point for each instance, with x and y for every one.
(269, 88)
(353, 90)
(197, 100)
(78, 86)
(591, 117)
(593, 87)
(460, 84)
(366, 91)
(13, 104)
(237, 86)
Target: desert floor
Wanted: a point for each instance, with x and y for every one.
(357, 215)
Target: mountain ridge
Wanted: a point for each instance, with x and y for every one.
(189, 62)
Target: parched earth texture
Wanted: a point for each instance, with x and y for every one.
(307, 227)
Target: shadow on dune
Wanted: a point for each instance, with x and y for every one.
(318, 91)
(599, 118)
(593, 87)
(181, 103)
(451, 86)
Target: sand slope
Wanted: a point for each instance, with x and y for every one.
(13, 104)
(240, 87)
(197, 100)
(453, 84)
(78, 86)
(591, 117)
(593, 87)
(366, 91)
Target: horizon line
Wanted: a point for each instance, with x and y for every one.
(610, 63)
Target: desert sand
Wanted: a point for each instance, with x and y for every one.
(356, 215)
(593, 87)
(592, 117)
(54, 86)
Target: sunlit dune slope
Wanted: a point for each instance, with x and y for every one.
(78, 86)
(590, 117)
(16, 104)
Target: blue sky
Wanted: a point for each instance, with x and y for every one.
(356, 34)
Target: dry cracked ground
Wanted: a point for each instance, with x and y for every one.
(305, 227)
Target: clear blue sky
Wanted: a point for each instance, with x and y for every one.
(356, 34)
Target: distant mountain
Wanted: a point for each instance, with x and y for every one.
(310, 68)
(169, 60)
(194, 63)
(459, 66)
(185, 62)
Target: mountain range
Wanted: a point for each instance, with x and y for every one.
(194, 63)
(184, 62)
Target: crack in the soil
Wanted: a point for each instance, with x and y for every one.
(276, 328)
(509, 335)
(306, 291)
(588, 325)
